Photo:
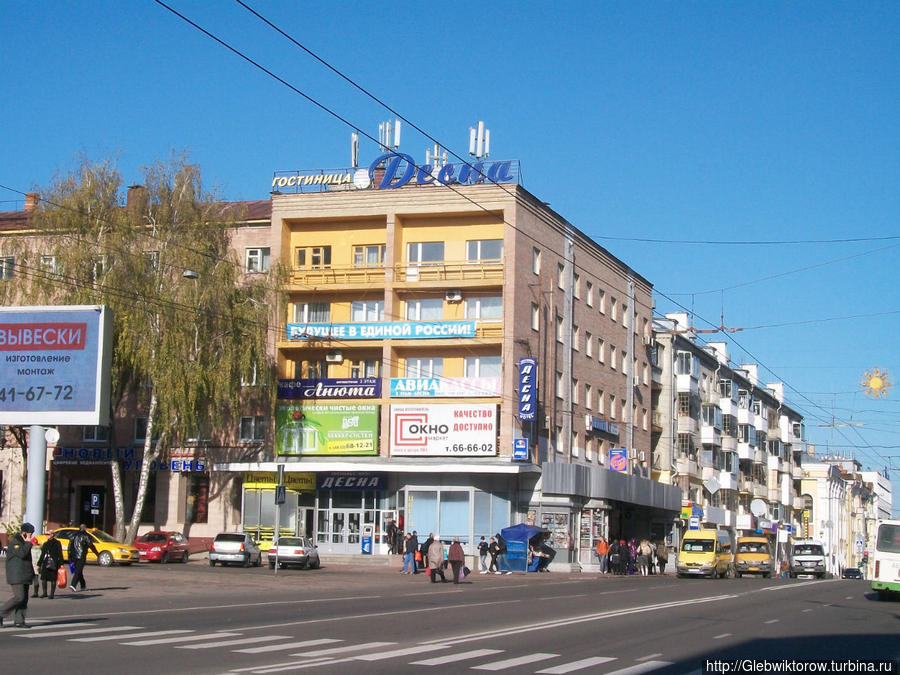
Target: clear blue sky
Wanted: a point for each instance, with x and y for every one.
(700, 121)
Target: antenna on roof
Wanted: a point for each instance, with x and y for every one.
(354, 150)
(434, 159)
(479, 141)
(389, 135)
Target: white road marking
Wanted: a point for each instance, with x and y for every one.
(459, 656)
(142, 634)
(344, 650)
(79, 631)
(285, 646)
(807, 610)
(644, 667)
(60, 625)
(518, 661)
(649, 656)
(788, 587)
(723, 635)
(418, 649)
(181, 638)
(576, 665)
(240, 641)
(771, 621)
(849, 597)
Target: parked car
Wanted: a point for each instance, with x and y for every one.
(234, 547)
(163, 546)
(294, 551)
(851, 573)
(109, 549)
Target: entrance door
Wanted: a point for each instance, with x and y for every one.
(345, 530)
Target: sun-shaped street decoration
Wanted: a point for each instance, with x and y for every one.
(876, 383)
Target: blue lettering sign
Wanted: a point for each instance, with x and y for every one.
(528, 389)
(399, 169)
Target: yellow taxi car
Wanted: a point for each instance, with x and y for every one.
(109, 550)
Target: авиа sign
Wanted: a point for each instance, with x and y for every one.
(477, 172)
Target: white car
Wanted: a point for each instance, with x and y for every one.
(294, 551)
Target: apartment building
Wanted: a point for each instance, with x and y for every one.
(731, 444)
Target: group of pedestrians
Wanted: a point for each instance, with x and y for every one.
(495, 549)
(430, 555)
(632, 557)
(24, 556)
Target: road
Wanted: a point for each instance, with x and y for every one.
(341, 619)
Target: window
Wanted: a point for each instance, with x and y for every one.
(575, 338)
(685, 446)
(574, 391)
(612, 406)
(613, 311)
(612, 357)
(559, 328)
(744, 434)
(424, 366)
(253, 429)
(588, 344)
(744, 399)
(98, 267)
(367, 310)
(368, 256)
(577, 286)
(313, 257)
(365, 368)
(559, 385)
(484, 250)
(561, 275)
(257, 260)
(94, 434)
(140, 428)
(488, 307)
(644, 418)
(197, 505)
(482, 366)
(589, 299)
(683, 402)
(535, 317)
(601, 297)
(49, 264)
(316, 370)
(588, 400)
(729, 425)
(536, 260)
(248, 379)
(711, 415)
(7, 263)
(726, 387)
(601, 347)
(600, 401)
(312, 312)
(687, 364)
(425, 309)
(425, 252)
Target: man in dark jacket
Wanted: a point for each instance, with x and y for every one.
(502, 562)
(423, 549)
(19, 573)
(79, 545)
(413, 545)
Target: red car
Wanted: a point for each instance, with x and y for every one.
(163, 547)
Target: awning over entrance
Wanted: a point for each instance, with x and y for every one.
(593, 482)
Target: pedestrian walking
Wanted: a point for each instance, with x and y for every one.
(603, 555)
(423, 550)
(483, 554)
(413, 545)
(49, 562)
(502, 562)
(662, 556)
(35, 559)
(392, 536)
(436, 559)
(19, 573)
(79, 545)
(493, 551)
(409, 555)
(457, 557)
(643, 557)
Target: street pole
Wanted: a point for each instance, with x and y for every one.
(279, 497)
(37, 478)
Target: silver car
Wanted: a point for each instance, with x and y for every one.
(234, 547)
(295, 551)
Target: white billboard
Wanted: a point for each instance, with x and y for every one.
(55, 365)
(444, 430)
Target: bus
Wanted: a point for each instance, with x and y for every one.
(886, 574)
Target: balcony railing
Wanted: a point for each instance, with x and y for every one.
(449, 271)
(320, 276)
(484, 329)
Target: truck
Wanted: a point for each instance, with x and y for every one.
(807, 557)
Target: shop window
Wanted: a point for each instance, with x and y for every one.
(454, 516)
(197, 506)
(484, 250)
(257, 260)
(425, 309)
(422, 514)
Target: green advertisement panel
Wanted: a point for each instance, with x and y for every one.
(326, 429)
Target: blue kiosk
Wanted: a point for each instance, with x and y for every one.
(517, 538)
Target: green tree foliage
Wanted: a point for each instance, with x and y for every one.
(181, 344)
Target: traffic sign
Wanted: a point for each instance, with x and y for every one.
(280, 494)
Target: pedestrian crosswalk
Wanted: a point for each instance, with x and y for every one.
(324, 652)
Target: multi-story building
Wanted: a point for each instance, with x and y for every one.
(729, 443)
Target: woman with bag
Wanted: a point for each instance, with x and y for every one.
(49, 564)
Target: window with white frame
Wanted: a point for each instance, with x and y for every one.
(313, 257)
(575, 338)
(559, 328)
(94, 434)
(589, 294)
(316, 370)
(253, 429)
(612, 357)
(365, 368)
(485, 307)
(535, 317)
(536, 260)
(484, 250)
(559, 385)
(588, 396)
(601, 298)
(371, 255)
(601, 348)
(363, 311)
(424, 366)
(576, 291)
(561, 275)
(7, 267)
(312, 312)
(49, 264)
(257, 260)
(686, 364)
(425, 252)
(248, 378)
(613, 309)
(588, 344)
(425, 309)
(482, 366)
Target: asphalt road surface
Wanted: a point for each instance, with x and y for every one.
(152, 618)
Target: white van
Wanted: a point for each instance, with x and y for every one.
(807, 557)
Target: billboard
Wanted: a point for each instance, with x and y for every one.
(444, 430)
(438, 387)
(527, 389)
(618, 460)
(381, 330)
(326, 429)
(326, 387)
(55, 365)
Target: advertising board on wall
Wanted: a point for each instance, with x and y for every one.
(528, 389)
(381, 330)
(436, 387)
(326, 429)
(326, 387)
(618, 459)
(55, 365)
(444, 430)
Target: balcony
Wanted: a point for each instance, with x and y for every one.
(707, 472)
(744, 521)
(745, 485)
(346, 276)
(775, 463)
(728, 406)
(759, 456)
(727, 480)
(710, 435)
(745, 451)
(799, 503)
(439, 273)
(774, 494)
(686, 425)
(729, 443)
(687, 466)
(687, 384)
(744, 416)
(760, 491)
